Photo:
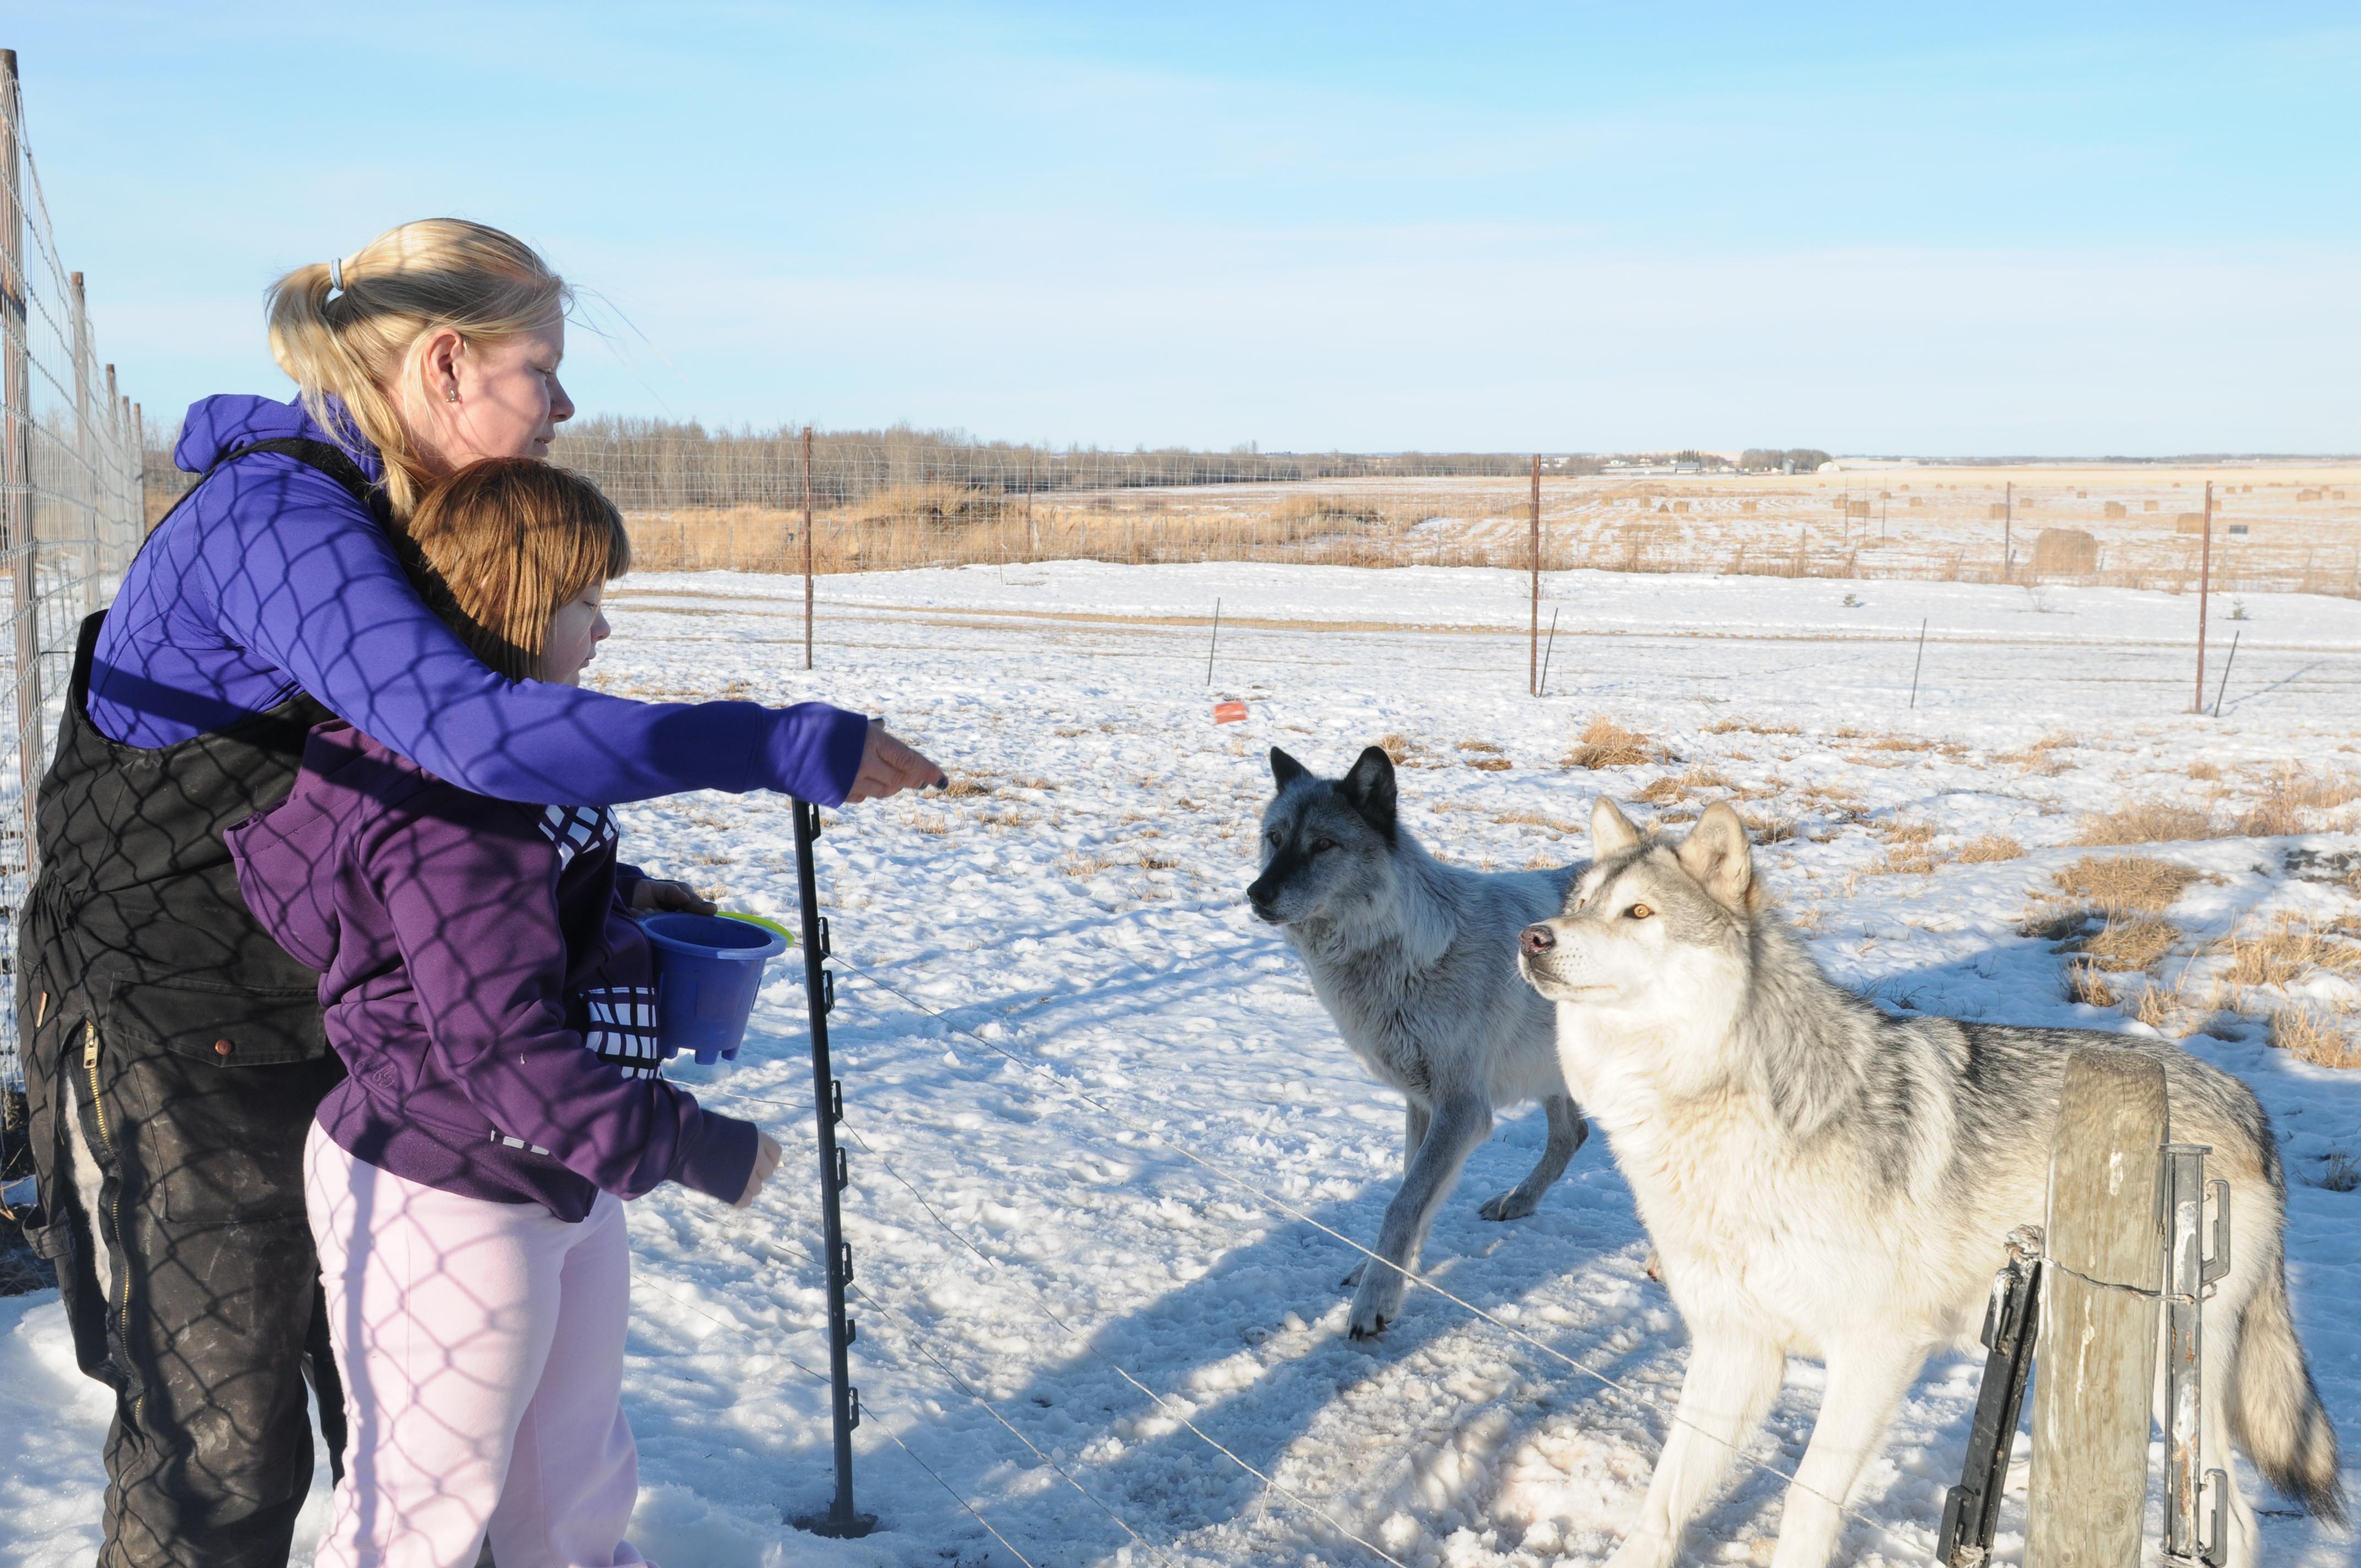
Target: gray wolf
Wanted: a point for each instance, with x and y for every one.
(1827, 1181)
(1417, 963)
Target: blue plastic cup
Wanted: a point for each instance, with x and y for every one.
(709, 970)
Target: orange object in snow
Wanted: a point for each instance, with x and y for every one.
(1229, 712)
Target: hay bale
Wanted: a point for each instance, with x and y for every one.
(1996, 511)
(2188, 523)
(2064, 551)
(1746, 507)
(2148, 506)
(1917, 501)
(1857, 508)
(2115, 508)
(2307, 495)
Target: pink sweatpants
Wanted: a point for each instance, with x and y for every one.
(481, 1346)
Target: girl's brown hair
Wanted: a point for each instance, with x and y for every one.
(357, 340)
(501, 545)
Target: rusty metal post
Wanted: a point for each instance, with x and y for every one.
(1533, 635)
(16, 529)
(2204, 588)
(807, 549)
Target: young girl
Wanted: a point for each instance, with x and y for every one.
(495, 1009)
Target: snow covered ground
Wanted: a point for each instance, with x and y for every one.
(1113, 1333)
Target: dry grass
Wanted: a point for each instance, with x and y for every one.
(1900, 744)
(1538, 819)
(1906, 833)
(1407, 752)
(1990, 847)
(1489, 757)
(2120, 883)
(2324, 1040)
(2287, 952)
(2204, 771)
(1766, 828)
(2291, 796)
(2085, 984)
(1730, 726)
(966, 787)
(1478, 746)
(1607, 744)
(2147, 822)
(2130, 942)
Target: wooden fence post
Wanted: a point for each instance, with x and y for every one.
(1533, 638)
(807, 549)
(2204, 589)
(2102, 1292)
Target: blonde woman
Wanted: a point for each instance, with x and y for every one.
(176, 1055)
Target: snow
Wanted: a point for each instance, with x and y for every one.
(1114, 1238)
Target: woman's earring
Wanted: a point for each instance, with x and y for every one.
(450, 394)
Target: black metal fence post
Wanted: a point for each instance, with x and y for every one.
(827, 1105)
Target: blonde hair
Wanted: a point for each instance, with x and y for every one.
(500, 546)
(408, 282)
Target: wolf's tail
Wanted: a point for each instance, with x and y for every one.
(2275, 1410)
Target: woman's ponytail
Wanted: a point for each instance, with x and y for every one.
(354, 342)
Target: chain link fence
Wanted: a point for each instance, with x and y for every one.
(71, 518)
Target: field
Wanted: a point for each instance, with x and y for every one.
(2278, 528)
(1099, 1127)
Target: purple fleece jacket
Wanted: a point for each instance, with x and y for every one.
(493, 1004)
(271, 577)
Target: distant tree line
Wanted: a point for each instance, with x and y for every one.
(657, 463)
(1771, 459)
(652, 463)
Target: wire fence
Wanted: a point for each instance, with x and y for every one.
(71, 516)
(900, 499)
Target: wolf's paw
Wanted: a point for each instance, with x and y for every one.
(1513, 1204)
(1376, 1303)
(1353, 1280)
(1643, 1551)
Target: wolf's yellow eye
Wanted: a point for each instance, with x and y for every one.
(1640, 911)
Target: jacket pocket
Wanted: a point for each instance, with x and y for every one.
(220, 1026)
(204, 1137)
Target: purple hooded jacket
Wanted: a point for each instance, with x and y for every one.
(272, 578)
(493, 1004)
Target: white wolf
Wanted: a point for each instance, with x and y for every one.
(1416, 962)
(1821, 1179)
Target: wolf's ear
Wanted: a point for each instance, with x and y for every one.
(1284, 769)
(1369, 789)
(1716, 854)
(1612, 832)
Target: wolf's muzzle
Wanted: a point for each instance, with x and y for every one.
(1536, 939)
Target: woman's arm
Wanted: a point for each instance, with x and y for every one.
(312, 585)
(470, 885)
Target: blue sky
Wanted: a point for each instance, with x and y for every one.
(1999, 229)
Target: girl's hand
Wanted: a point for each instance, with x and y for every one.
(766, 1160)
(671, 897)
(889, 767)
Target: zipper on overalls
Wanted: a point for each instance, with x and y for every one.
(114, 1205)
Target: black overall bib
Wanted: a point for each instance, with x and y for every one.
(170, 1042)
